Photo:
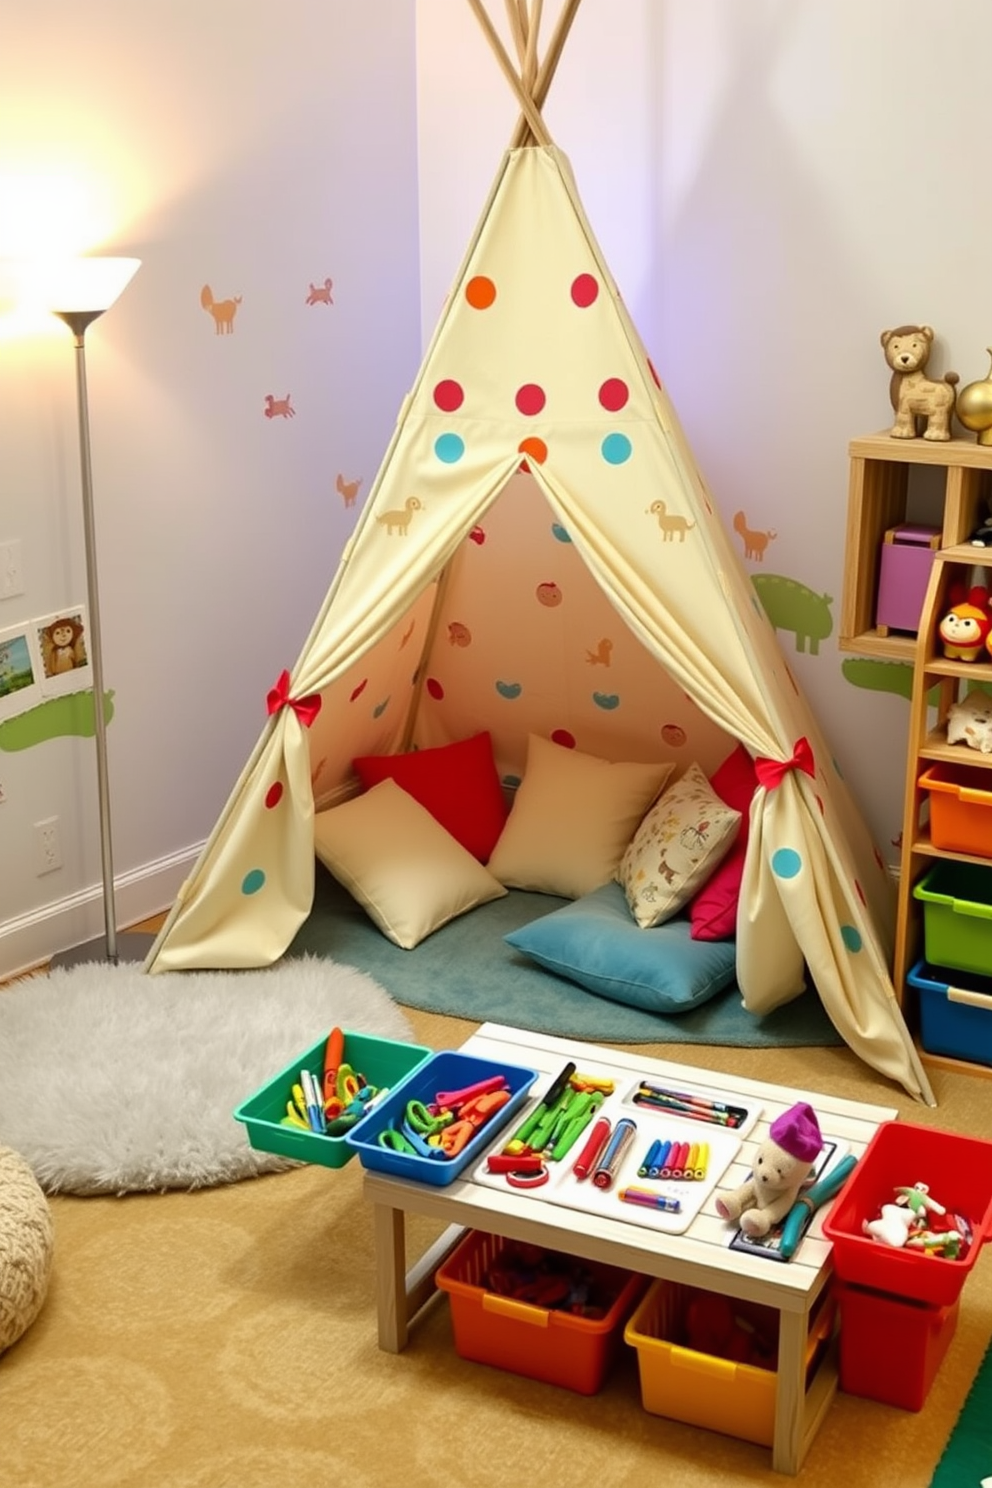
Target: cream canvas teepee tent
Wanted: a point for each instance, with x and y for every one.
(538, 433)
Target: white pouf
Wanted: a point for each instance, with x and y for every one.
(27, 1243)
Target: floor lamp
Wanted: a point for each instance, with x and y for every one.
(79, 292)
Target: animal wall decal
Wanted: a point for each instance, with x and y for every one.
(223, 311)
(792, 606)
(348, 489)
(755, 543)
(669, 524)
(320, 294)
(279, 407)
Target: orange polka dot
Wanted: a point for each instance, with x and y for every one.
(535, 448)
(480, 292)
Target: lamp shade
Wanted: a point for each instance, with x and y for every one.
(85, 283)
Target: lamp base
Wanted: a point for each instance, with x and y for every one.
(131, 946)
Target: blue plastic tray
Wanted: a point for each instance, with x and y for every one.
(447, 1070)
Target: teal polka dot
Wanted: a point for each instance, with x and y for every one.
(616, 449)
(786, 863)
(253, 881)
(449, 448)
(851, 937)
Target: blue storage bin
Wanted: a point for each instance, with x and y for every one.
(448, 1070)
(955, 1012)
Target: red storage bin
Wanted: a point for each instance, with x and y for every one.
(890, 1350)
(958, 1173)
(541, 1343)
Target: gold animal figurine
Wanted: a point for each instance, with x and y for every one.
(975, 406)
(670, 525)
(921, 405)
(223, 311)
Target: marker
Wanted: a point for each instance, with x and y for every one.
(609, 1164)
(702, 1159)
(649, 1200)
(664, 1152)
(650, 1158)
(590, 1154)
(691, 1162)
(314, 1103)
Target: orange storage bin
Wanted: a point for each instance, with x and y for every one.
(960, 807)
(890, 1350)
(541, 1343)
(702, 1389)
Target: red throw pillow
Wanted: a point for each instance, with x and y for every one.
(713, 912)
(457, 783)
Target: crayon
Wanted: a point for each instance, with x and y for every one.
(702, 1159)
(664, 1151)
(650, 1158)
(649, 1200)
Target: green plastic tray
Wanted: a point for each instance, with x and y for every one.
(383, 1062)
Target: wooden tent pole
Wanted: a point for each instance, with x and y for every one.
(547, 69)
(529, 65)
(516, 14)
(533, 118)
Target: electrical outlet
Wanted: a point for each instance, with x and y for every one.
(48, 845)
(11, 571)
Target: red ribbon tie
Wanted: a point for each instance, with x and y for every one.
(305, 708)
(771, 772)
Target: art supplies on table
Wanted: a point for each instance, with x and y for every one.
(643, 1153)
(782, 1241)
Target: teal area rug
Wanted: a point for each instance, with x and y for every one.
(466, 971)
(967, 1459)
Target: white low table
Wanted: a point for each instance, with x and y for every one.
(698, 1257)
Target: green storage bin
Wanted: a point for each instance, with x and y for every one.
(384, 1063)
(957, 915)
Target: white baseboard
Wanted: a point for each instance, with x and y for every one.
(31, 939)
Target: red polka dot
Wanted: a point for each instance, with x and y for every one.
(530, 399)
(879, 860)
(535, 448)
(653, 372)
(585, 290)
(449, 395)
(273, 795)
(564, 738)
(860, 891)
(819, 802)
(613, 394)
(434, 689)
(480, 292)
(357, 691)
(673, 734)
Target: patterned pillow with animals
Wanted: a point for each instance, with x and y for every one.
(678, 845)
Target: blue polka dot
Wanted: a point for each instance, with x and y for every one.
(616, 449)
(559, 533)
(253, 881)
(786, 863)
(851, 937)
(449, 448)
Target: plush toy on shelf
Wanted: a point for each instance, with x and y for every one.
(966, 623)
(921, 404)
(782, 1164)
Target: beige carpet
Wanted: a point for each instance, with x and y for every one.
(228, 1337)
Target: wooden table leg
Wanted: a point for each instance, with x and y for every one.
(390, 1277)
(790, 1395)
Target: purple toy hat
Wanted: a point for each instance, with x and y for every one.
(797, 1132)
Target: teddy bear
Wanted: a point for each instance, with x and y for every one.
(918, 401)
(782, 1164)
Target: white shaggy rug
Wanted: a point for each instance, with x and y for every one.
(112, 1081)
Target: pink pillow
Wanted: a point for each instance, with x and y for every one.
(457, 783)
(713, 912)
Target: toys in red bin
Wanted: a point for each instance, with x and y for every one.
(527, 1273)
(966, 623)
(782, 1165)
(917, 1222)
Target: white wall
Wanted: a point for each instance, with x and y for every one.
(257, 149)
(773, 184)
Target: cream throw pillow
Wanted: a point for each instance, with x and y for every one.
(409, 874)
(572, 818)
(678, 845)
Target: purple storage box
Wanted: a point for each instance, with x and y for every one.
(904, 571)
